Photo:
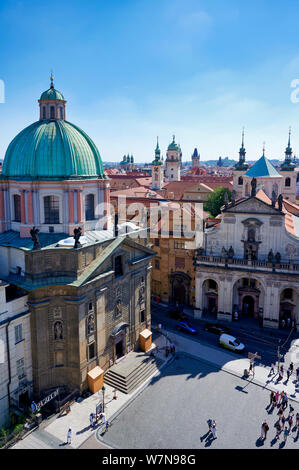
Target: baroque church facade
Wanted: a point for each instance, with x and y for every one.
(87, 302)
(249, 261)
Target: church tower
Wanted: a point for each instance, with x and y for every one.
(157, 169)
(289, 173)
(195, 159)
(173, 161)
(239, 170)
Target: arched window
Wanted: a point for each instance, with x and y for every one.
(61, 112)
(89, 207)
(17, 208)
(52, 112)
(288, 182)
(247, 189)
(240, 181)
(44, 112)
(51, 208)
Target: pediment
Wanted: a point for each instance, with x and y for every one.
(252, 205)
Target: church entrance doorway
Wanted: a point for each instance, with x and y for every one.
(248, 306)
(119, 349)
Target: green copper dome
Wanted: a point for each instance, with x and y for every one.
(52, 94)
(52, 150)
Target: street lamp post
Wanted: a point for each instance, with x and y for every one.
(103, 391)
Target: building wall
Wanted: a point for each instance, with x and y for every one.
(12, 314)
(65, 360)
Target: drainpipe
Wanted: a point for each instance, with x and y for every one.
(8, 363)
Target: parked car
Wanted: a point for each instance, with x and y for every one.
(186, 327)
(216, 328)
(230, 342)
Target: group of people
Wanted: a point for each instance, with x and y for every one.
(286, 417)
(212, 427)
(287, 322)
(289, 372)
(93, 419)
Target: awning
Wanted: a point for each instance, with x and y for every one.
(118, 328)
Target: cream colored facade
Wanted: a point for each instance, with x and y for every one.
(247, 279)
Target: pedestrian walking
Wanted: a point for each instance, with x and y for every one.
(69, 436)
(297, 420)
(251, 368)
(281, 369)
(285, 433)
(290, 421)
(107, 425)
(283, 420)
(292, 367)
(272, 398)
(272, 369)
(277, 395)
(278, 430)
(214, 429)
(281, 397)
(266, 427)
(210, 422)
(103, 417)
(263, 432)
(288, 374)
(280, 413)
(297, 374)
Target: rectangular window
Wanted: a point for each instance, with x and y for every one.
(21, 368)
(157, 242)
(157, 264)
(51, 208)
(91, 351)
(178, 244)
(18, 333)
(17, 208)
(118, 268)
(142, 316)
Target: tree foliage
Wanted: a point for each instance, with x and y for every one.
(216, 200)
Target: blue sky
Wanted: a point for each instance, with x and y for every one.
(134, 69)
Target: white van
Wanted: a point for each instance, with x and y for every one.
(230, 342)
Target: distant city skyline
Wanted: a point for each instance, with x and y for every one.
(133, 70)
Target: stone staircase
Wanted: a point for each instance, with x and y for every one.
(131, 372)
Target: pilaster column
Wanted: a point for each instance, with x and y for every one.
(29, 208)
(23, 212)
(65, 204)
(71, 207)
(79, 206)
(75, 206)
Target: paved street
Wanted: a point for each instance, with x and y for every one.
(263, 341)
(173, 410)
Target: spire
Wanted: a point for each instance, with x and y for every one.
(241, 165)
(52, 80)
(288, 151)
(264, 144)
(157, 151)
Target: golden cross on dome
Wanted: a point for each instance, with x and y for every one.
(52, 79)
